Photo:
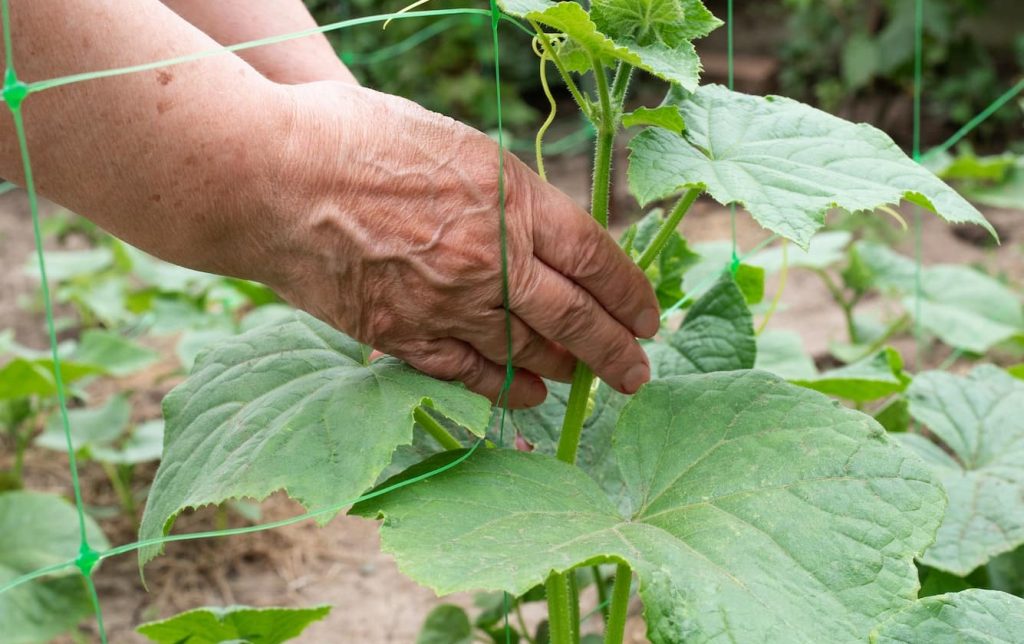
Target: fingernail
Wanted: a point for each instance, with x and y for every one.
(538, 392)
(635, 378)
(647, 323)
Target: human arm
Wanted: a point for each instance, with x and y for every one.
(375, 215)
(302, 60)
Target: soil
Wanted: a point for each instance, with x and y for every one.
(341, 563)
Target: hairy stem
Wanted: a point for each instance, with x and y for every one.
(563, 629)
(623, 75)
(665, 233)
(435, 429)
(620, 605)
(575, 414)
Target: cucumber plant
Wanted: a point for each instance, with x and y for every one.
(747, 508)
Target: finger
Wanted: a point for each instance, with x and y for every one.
(530, 350)
(568, 240)
(561, 311)
(451, 359)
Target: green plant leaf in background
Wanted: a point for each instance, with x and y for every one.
(214, 625)
(295, 406)
(715, 260)
(961, 306)
(446, 624)
(785, 162)
(117, 355)
(89, 427)
(824, 250)
(874, 377)
(968, 617)
(782, 353)
(763, 512)
(39, 530)
(980, 462)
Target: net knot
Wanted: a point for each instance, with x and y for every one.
(87, 559)
(14, 91)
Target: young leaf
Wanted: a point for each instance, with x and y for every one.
(763, 512)
(968, 617)
(785, 162)
(39, 530)
(213, 625)
(297, 407)
(717, 335)
(980, 463)
(446, 624)
(666, 116)
(872, 378)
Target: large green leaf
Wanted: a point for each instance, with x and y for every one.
(980, 462)
(762, 512)
(967, 617)
(785, 162)
(825, 250)
(214, 625)
(295, 406)
(39, 530)
(717, 335)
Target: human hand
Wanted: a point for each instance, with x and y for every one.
(391, 234)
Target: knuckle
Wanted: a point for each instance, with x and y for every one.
(574, 317)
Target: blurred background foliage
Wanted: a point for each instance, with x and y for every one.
(851, 57)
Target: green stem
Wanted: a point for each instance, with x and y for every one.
(620, 605)
(435, 429)
(522, 625)
(560, 66)
(623, 75)
(602, 592)
(20, 445)
(575, 414)
(563, 630)
(124, 492)
(669, 227)
(840, 299)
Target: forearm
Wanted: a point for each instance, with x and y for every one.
(172, 160)
(302, 60)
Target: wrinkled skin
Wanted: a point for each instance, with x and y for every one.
(366, 210)
(402, 251)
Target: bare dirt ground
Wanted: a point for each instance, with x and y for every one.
(341, 564)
